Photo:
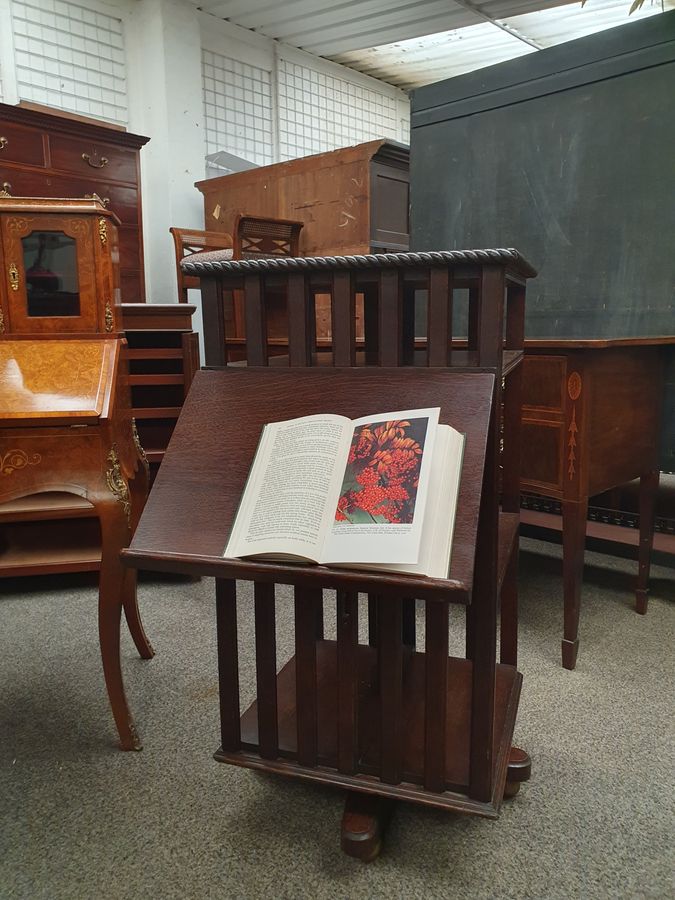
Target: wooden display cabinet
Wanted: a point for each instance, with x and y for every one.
(60, 267)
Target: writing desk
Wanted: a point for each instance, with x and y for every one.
(380, 720)
(65, 427)
(591, 421)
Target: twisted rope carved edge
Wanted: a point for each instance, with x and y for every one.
(367, 261)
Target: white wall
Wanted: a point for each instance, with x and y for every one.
(194, 84)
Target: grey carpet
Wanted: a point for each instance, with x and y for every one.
(80, 819)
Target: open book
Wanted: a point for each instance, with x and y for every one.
(379, 492)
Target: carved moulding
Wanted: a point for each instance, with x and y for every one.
(139, 446)
(117, 483)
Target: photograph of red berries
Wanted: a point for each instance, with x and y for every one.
(382, 473)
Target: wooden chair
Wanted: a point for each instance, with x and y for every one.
(187, 242)
(256, 236)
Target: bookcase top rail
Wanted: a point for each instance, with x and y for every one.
(219, 261)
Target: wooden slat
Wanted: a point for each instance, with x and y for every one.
(343, 317)
(482, 619)
(299, 321)
(306, 600)
(213, 312)
(371, 322)
(474, 315)
(256, 324)
(390, 655)
(439, 317)
(515, 316)
(408, 325)
(348, 680)
(266, 669)
(436, 689)
(228, 664)
(491, 322)
(390, 325)
(409, 629)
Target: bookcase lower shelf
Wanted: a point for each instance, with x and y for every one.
(458, 716)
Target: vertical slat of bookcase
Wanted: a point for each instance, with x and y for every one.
(348, 680)
(439, 317)
(390, 323)
(371, 320)
(299, 321)
(390, 656)
(435, 694)
(305, 673)
(228, 663)
(343, 313)
(482, 613)
(266, 669)
(474, 314)
(491, 322)
(215, 353)
(256, 323)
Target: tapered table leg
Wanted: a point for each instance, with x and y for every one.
(649, 486)
(574, 540)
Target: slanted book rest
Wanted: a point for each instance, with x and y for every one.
(377, 492)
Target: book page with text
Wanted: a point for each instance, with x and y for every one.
(292, 487)
(381, 504)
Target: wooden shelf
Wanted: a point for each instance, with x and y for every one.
(603, 531)
(51, 505)
(507, 693)
(40, 548)
(154, 353)
(156, 379)
(156, 412)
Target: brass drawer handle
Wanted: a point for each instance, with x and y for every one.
(13, 277)
(6, 189)
(95, 161)
(3, 143)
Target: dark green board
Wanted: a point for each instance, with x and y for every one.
(568, 155)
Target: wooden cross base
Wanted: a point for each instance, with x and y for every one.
(366, 816)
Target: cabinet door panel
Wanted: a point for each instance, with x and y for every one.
(50, 274)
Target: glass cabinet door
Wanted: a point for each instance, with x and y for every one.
(50, 274)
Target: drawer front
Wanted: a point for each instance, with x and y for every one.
(544, 382)
(542, 456)
(132, 288)
(87, 158)
(121, 200)
(22, 145)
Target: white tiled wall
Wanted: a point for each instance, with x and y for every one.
(319, 111)
(70, 57)
(237, 108)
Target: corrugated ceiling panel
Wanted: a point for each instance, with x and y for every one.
(409, 44)
(555, 26)
(413, 63)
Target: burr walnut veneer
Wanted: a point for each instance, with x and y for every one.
(65, 428)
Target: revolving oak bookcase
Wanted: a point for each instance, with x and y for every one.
(459, 759)
(379, 719)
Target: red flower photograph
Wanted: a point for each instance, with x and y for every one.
(382, 475)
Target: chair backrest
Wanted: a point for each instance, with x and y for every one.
(188, 241)
(260, 236)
